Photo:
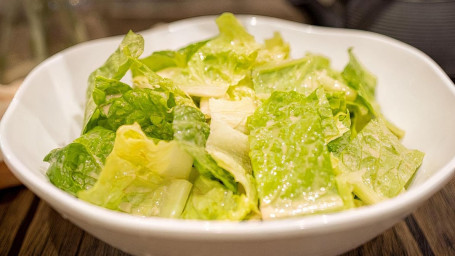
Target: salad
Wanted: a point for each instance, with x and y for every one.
(232, 129)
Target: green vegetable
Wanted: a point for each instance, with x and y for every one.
(287, 76)
(358, 77)
(337, 102)
(228, 128)
(76, 166)
(233, 112)
(144, 106)
(115, 67)
(376, 164)
(191, 131)
(364, 83)
(148, 182)
(164, 59)
(275, 49)
(144, 77)
(119, 104)
(230, 149)
(219, 63)
(210, 200)
(291, 162)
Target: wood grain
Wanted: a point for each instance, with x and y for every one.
(93, 246)
(50, 234)
(15, 204)
(437, 220)
(395, 241)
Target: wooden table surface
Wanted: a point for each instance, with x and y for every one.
(29, 226)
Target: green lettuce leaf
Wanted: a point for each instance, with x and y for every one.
(149, 182)
(210, 200)
(364, 83)
(232, 113)
(287, 76)
(358, 77)
(242, 90)
(145, 106)
(289, 155)
(376, 164)
(256, 134)
(337, 101)
(364, 107)
(221, 62)
(191, 131)
(106, 89)
(230, 149)
(76, 166)
(144, 77)
(275, 49)
(331, 81)
(360, 116)
(164, 59)
(115, 68)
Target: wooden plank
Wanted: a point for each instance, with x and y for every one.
(50, 234)
(395, 241)
(15, 205)
(418, 235)
(437, 220)
(90, 245)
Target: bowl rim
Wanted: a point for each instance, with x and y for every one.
(70, 206)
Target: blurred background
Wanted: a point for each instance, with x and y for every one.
(32, 30)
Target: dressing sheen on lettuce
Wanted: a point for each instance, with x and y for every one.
(291, 161)
(230, 128)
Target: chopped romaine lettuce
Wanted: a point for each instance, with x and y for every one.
(141, 177)
(76, 166)
(358, 77)
(144, 106)
(290, 159)
(330, 82)
(164, 59)
(219, 63)
(210, 200)
(229, 128)
(287, 76)
(364, 83)
(376, 164)
(145, 78)
(115, 67)
(233, 113)
(337, 102)
(191, 131)
(275, 49)
(230, 149)
(119, 104)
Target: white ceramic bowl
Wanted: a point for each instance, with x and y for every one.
(414, 93)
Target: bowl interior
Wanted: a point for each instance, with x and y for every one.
(412, 90)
